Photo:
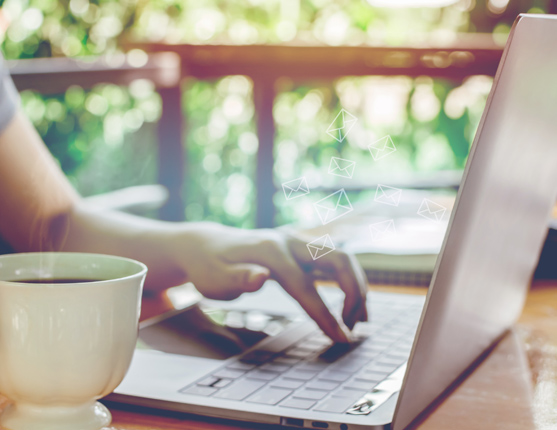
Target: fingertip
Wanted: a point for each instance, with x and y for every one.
(364, 316)
(257, 278)
(349, 317)
(341, 335)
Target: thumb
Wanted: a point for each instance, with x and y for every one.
(249, 277)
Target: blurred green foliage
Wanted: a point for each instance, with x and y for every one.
(221, 148)
(431, 123)
(104, 138)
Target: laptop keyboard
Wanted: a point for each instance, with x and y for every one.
(314, 373)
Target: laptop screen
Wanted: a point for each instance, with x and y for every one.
(499, 222)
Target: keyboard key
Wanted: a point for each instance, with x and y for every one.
(298, 403)
(337, 376)
(239, 390)
(321, 342)
(238, 365)
(275, 367)
(352, 365)
(199, 390)
(347, 393)
(334, 405)
(398, 355)
(207, 382)
(289, 361)
(221, 383)
(299, 353)
(269, 396)
(382, 341)
(304, 393)
(336, 351)
(228, 374)
(257, 356)
(360, 384)
(371, 376)
(312, 366)
(381, 368)
(322, 385)
(373, 347)
(287, 383)
(365, 354)
(390, 361)
(261, 374)
(302, 375)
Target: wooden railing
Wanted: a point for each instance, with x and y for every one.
(474, 54)
(168, 64)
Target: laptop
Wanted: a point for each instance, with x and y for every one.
(412, 350)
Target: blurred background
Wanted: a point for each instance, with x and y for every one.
(222, 101)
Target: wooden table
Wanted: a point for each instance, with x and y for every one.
(515, 388)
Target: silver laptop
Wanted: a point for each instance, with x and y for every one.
(410, 353)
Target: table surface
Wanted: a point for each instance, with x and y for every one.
(515, 388)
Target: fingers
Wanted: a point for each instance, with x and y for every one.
(232, 280)
(305, 293)
(352, 309)
(301, 287)
(254, 276)
(274, 252)
(353, 282)
(349, 275)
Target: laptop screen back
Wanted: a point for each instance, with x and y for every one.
(499, 222)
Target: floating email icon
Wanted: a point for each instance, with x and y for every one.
(431, 210)
(381, 148)
(321, 246)
(295, 188)
(388, 195)
(341, 125)
(333, 206)
(382, 230)
(342, 167)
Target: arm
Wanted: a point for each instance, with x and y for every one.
(41, 211)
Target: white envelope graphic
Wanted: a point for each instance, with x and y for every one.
(341, 125)
(295, 188)
(333, 206)
(382, 230)
(388, 195)
(431, 210)
(321, 246)
(342, 167)
(381, 148)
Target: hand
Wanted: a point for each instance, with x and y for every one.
(224, 262)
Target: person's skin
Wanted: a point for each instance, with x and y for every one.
(39, 211)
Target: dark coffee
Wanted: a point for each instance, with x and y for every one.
(55, 281)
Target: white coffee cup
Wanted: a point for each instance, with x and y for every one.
(65, 345)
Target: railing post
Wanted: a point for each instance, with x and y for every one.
(171, 163)
(264, 97)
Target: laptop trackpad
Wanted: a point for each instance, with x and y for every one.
(210, 332)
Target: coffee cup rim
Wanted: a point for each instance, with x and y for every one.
(142, 268)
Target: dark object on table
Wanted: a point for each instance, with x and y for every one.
(547, 267)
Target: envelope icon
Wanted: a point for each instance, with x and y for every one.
(431, 210)
(341, 125)
(382, 230)
(295, 188)
(342, 167)
(388, 195)
(382, 147)
(321, 246)
(333, 206)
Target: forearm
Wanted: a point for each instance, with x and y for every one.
(34, 193)
(87, 229)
